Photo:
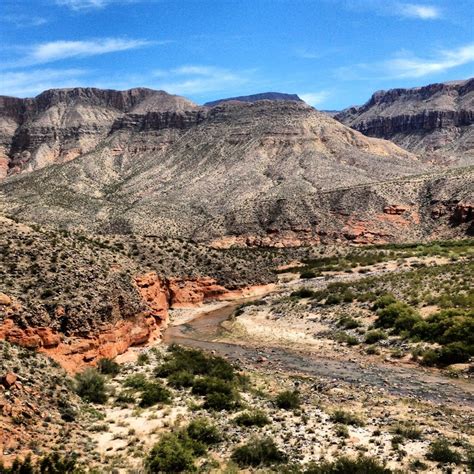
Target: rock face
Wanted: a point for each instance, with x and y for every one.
(60, 125)
(436, 121)
(256, 97)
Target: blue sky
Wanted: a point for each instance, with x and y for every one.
(333, 53)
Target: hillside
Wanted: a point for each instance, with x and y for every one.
(235, 169)
(436, 121)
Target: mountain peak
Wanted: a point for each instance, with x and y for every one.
(256, 97)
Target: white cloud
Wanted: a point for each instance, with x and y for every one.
(24, 21)
(83, 4)
(30, 83)
(56, 50)
(198, 79)
(315, 98)
(423, 12)
(408, 65)
(88, 5)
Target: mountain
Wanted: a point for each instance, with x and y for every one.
(240, 168)
(61, 124)
(256, 97)
(436, 121)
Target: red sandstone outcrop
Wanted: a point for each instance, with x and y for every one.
(111, 340)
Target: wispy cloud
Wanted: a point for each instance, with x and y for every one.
(29, 83)
(423, 12)
(52, 51)
(56, 50)
(408, 65)
(199, 79)
(315, 98)
(90, 5)
(78, 5)
(23, 21)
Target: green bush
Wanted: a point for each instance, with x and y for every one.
(383, 301)
(170, 454)
(202, 431)
(348, 323)
(154, 393)
(90, 386)
(220, 401)
(181, 379)
(50, 464)
(136, 381)
(195, 362)
(288, 400)
(143, 358)
(346, 418)
(255, 418)
(407, 430)
(440, 451)
(308, 274)
(303, 293)
(108, 367)
(346, 465)
(371, 337)
(258, 452)
(397, 315)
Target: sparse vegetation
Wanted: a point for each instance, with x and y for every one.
(90, 386)
(288, 400)
(258, 452)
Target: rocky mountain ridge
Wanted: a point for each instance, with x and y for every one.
(61, 124)
(257, 97)
(435, 121)
(204, 174)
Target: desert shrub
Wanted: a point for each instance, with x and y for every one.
(181, 379)
(440, 451)
(90, 386)
(407, 430)
(170, 454)
(303, 293)
(348, 323)
(143, 358)
(202, 431)
(288, 400)
(371, 337)
(307, 274)
(397, 315)
(108, 367)
(342, 431)
(52, 463)
(454, 353)
(346, 418)
(346, 465)
(220, 401)
(195, 362)
(136, 381)
(258, 452)
(333, 299)
(154, 393)
(254, 418)
(347, 338)
(384, 301)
